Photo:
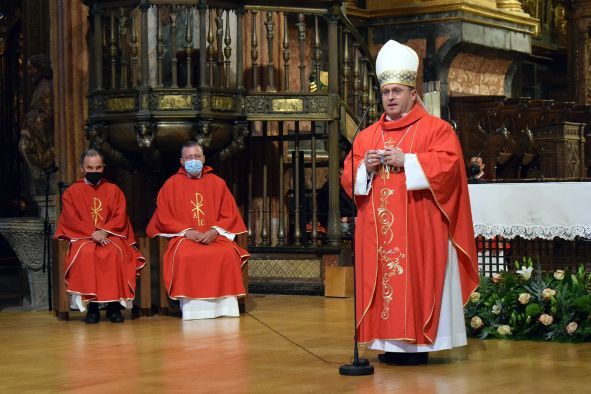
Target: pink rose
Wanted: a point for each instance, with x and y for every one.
(548, 293)
(546, 319)
(504, 330)
(496, 278)
(524, 298)
(476, 322)
(559, 274)
(572, 327)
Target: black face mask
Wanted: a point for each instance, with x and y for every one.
(93, 177)
(473, 170)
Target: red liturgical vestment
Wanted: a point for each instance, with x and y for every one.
(192, 269)
(402, 236)
(103, 273)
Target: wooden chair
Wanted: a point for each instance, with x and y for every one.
(164, 301)
(61, 298)
(145, 283)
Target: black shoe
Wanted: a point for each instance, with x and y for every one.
(417, 358)
(116, 317)
(404, 358)
(114, 312)
(92, 316)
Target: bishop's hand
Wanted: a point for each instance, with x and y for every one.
(394, 157)
(372, 160)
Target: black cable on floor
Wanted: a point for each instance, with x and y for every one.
(291, 341)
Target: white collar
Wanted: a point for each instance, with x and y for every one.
(388, 118)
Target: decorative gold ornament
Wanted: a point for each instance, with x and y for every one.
(402, 77)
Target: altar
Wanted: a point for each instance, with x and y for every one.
(547, 221)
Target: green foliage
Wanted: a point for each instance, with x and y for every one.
(583, 304)
(527, 304)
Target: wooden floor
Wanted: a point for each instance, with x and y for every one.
(284, 344)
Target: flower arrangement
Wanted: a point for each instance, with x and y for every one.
(526, 304)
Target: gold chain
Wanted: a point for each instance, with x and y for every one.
(387, 168)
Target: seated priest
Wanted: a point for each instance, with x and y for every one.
(202, 265)
(102, 262)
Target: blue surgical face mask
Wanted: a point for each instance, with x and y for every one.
(193, 167)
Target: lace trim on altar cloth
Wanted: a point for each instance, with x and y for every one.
(532, 232)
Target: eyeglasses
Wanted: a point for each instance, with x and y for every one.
(396, 92)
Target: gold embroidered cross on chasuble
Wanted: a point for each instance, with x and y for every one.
(95, 210)
(197, 210)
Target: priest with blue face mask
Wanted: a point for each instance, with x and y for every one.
(202, 265)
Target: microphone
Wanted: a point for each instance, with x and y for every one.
(360, 124)
(359, 366)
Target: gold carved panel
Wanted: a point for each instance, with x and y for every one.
(287, 105)
(222, 103)
(175, 102)
(120, 104)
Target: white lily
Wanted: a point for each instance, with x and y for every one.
(525, 272)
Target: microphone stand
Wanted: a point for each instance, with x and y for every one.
(359, 366)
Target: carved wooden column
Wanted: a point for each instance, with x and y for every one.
(578, 16)
(69, 57)
(334, 228)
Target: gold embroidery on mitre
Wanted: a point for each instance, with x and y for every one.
(197, 210)
(95, 210)
(389, 258)
(401, 77)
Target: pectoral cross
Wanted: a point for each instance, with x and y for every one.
(95, 210)
(198, 209)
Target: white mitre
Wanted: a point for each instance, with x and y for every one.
(397, 63)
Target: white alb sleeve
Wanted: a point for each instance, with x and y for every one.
(415, 176)
(363, 180)
(225, 233)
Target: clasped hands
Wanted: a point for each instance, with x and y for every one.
(390, 156)
(203, 238)
(101, 237)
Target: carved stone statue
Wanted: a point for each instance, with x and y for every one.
(36, 143)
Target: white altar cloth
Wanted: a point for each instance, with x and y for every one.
(532, 210)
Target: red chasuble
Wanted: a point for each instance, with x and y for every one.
(98, 273)
(401, 236)
(192, 269)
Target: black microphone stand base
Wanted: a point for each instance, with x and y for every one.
(359, 368)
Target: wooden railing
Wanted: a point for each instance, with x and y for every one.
(277, 88)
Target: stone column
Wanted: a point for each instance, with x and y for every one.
(69, 57)
(25, 236)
